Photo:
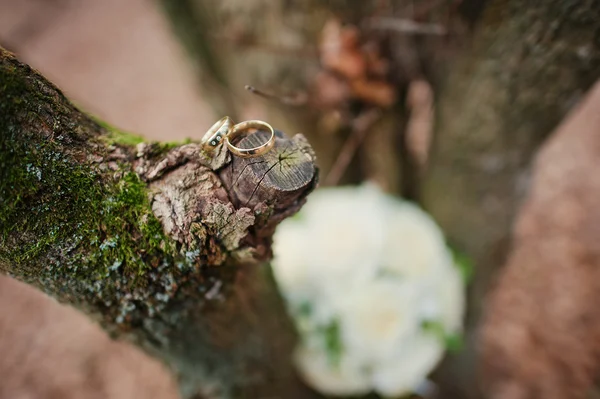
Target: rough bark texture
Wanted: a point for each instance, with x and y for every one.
(541, 338)
(528, 64)
(149, 239)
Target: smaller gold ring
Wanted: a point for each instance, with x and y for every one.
(239, 129)
(216, 133)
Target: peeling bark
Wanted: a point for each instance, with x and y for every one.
(151, 241)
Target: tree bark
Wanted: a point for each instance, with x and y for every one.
(528, 64)
(155, 241)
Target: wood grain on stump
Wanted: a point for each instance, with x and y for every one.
(276, 182)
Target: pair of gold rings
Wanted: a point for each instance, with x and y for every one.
(224, 129)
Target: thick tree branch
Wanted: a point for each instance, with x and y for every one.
(156, 241)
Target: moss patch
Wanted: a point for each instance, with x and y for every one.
(126, 230)
(122, 138)
(68, 223)
(48, 199)
(117, 136)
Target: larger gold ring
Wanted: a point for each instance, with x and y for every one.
(242, 127)
(216, 133)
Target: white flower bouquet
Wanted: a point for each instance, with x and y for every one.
(372, 288)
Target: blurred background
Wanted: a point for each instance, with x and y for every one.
(330, 70)
(369, 83)
(115, 59)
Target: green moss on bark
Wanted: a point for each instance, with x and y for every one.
(115, 136)
(71, 223)
(118, 137)
(76, 221)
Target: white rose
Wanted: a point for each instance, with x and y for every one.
(344, 378)
(292, 271)
(377, 317)
(414, 245)
(452, 299)
(346, 233)
(404, 370)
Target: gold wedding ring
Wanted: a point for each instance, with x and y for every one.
(216, 133)
(243, 127)
(224, 129)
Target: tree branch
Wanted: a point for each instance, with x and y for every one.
(155, 241)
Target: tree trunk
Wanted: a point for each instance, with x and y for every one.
(158, 242)
(528, 64)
